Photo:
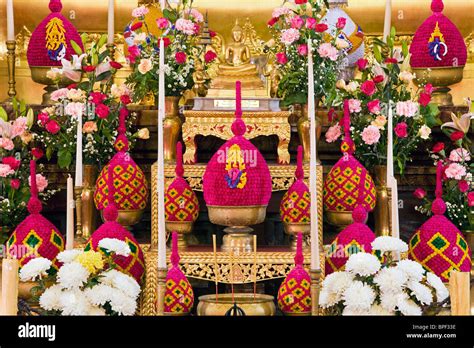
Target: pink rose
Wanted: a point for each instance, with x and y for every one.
(424, 99)
(102, 111)
(180, 57)
(354, 105)
(470, 199)
(289, 36)
(303, 49)
(333, 133)
(419, 193)
(326, 50)
(341, 23)
(368, 87)
(19, 126)
(311, 23)
(374, 106)
(43, 118)
(297, 22)
(407, 108)
(371, 135)
(53, 127)
(429, 88)
(6, 144)
(15, 184)
(97, 97)
(401, 130)
(362, 64)
(463, 186)
(12, 162)
(59, 94)
(5, 170)
(459, 155)
(162, 23)
(74, 109)
(455, 171)
(41, 182)
(281, 58)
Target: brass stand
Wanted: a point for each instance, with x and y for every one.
(79, 239)
(11, 58)
(381, 212)
(161, 288)
(315, 275)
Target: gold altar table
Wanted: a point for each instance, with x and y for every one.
(218, 123)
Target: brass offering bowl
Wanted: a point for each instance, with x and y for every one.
(293, 228)
(127, 218)
(182, 228)
(261, 305)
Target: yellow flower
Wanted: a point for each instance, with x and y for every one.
(143, 133)
(91, 260)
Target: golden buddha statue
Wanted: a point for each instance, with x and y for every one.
(236, 65)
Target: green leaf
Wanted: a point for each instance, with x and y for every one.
(15, 105)
(64, 159)
(405, 48)
(377, 54)
(103, 76)
(393, 32)
(102, 41)
(22, 107)
(95, 59)
(76, 48)
(30, 118)
(3, 114)
(84, 38)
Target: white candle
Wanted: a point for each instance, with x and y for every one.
(162, 4)
(315, 262)
(111, 23)
(391, 181)
(9, 299)
(161, 163)
(10, 21)
(70, 214)
(388, 19)
(78, 176)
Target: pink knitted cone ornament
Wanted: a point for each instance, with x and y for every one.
(438, 244)
(437, 42)
(51, 40)
(357, 237)
(179, 296)
(295, 205)
(131, 188)
(237, 174)
(35, 236)
(341, 189)
(133, 264)
(294, 295)
(181, 203)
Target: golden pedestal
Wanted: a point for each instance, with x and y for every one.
(258, 305)
(218, 123)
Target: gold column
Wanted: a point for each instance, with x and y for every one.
(382, 208)
(315, 275)
(11, 58)
(79, 239)
(161, 288)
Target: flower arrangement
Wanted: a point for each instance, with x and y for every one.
(386, 77)
(87, 283)
(179, 28)
(16, 150)
(458, 180)
(292, 25)
(372, 285)
(96, 100)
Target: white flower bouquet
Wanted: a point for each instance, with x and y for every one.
(372, 285)
(87, 283)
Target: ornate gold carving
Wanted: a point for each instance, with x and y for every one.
(218, 123)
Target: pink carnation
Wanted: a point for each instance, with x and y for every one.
(374, 106)
(401, 130)
(74, 109)
(407, 108)
(5, 170)
(41, 182)
(326, 50)
(460, 155)
(289, 36)
(19, 126)
(371, 135)
(311, 23)
(140, 11)
(6, 144)
(280, 11)
(303, 49)
(162, 23)
(185, 25)
(198, 17)
(297, 22)
(333, 133)
(59, 94)
(455, 171)
(354, 105)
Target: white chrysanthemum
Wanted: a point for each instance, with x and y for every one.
(390, 280)
(72, 275)
(359, 296)
(74, 302)
(337, 282)
(379, 310)
(99, 294)
(328, 299)
(412, 269)
(35, 268)
(363, 264)
(122, 304)
(49, 300)
(115, 245)
(421, 292)
(96, 311)
(407, 306)
(388, 301)
(387, 243)
(68, 256)
(441, 290)
(122, 282)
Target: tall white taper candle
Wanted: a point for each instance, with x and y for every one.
(78, 175)
(387, 24)
(161, 163)
(70, 214)
(10, 21)
(111, 23)
(315, 262)
(391, 181)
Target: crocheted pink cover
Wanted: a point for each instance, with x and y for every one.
(357, 237)
(294, 295)
(134, 264)
(35, 234)
(437, 42)
(341, 188)
(51, 40)
(131, 188)
(181, 203)
(179, 296)
(438, 244)
(237, 174)
(296, 202)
